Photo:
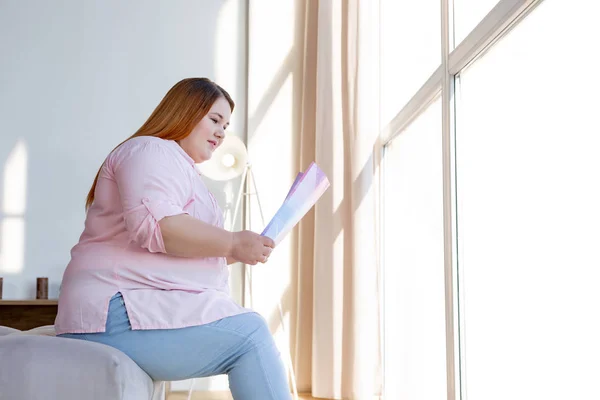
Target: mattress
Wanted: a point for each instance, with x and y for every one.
(37, 365)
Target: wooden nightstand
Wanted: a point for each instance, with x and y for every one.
(27, 314)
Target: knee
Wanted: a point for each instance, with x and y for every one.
(258, 329)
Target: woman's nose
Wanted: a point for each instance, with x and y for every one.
(220, 133)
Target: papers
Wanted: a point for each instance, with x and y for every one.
(307, 188)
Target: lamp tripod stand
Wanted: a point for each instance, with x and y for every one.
(233, 154)
(246, 190)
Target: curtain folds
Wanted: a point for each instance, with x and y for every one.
(336, 342)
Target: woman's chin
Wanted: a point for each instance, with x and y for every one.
(202, 157)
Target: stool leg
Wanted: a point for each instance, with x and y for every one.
(191, 389)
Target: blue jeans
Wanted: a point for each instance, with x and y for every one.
(240, 346)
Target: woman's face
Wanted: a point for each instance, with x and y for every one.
(209, 133)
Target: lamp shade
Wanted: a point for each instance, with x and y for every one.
(227, 162)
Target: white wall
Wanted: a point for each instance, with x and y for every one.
(76, 78)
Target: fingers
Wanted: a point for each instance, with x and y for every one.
(265, 255)
(268, 242)
(258, 248)
(262, 259)
(251, 248)
(268, 245)
(266, 251)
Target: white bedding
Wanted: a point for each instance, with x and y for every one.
(36, 365)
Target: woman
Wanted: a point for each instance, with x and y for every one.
(149, 275)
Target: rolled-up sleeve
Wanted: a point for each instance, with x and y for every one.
(152, 185)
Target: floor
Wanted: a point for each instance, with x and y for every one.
(214, 396)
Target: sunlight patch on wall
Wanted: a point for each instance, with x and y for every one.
(227, 39)
(12, 230)
(272, 40)
(271, 154)
(15, 180)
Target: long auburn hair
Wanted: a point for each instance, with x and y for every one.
(184, 105)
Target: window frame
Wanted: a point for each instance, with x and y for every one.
(496, 24)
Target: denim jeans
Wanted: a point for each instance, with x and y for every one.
(240, 346)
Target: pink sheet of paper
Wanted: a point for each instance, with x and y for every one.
(306, 190)
(294, 184)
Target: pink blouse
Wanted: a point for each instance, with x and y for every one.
(121, 248)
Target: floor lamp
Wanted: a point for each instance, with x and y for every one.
(230, 161)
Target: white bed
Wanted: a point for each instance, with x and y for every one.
(36, 364)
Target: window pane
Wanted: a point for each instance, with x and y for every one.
(414, 263)
(468, 14)
(528, 145)
(410, 50)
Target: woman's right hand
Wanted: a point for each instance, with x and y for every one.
(251, 248)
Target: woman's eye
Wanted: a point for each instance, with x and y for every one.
(214, 120)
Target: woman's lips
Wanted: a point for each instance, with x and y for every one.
(213, 143)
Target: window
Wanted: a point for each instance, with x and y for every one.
(414, 262)
(502, 168)
(527, 143)
(467, 14)
(410, 50)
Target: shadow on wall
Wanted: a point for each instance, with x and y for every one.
(76, 79)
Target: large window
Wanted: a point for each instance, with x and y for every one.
(410, 50)
(414, 248)
(467, 14)
(491, 217)
(527, 143)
